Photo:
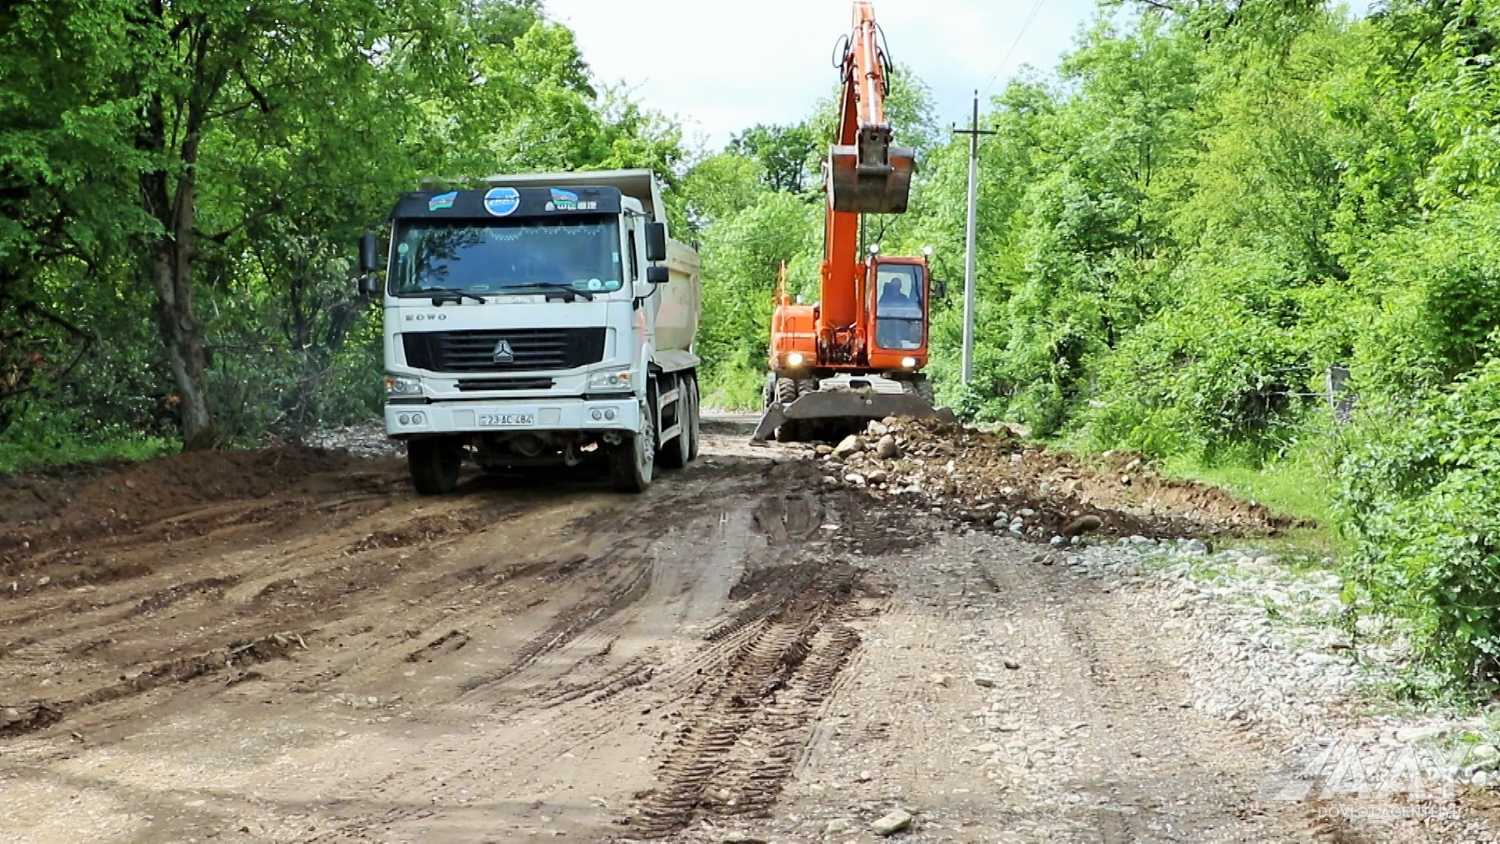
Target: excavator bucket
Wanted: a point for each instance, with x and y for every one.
(870, 188)
(843, 404)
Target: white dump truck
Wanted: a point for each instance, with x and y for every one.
(539, 320)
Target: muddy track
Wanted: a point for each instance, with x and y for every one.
(327, 657)
(558, 615)
(742, 728)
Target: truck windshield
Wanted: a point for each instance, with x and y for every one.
(581, 253)
(898, 306)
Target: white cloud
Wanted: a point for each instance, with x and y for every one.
(722, 66)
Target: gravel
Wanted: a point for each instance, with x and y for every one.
(1271, 653)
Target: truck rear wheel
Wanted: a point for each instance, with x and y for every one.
(678, 452)
(633, 462)
(693, 417)
(434, 463)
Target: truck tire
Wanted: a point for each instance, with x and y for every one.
(434, 464)
(693, 409)
(677, 453)
(633, 462)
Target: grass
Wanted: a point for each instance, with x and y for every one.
(29, 454)
(1296, 489)
(1296, 486)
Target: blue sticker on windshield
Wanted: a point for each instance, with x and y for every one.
(502, 202)
(442, 202)
(563, 200)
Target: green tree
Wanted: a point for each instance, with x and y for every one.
(787, 155)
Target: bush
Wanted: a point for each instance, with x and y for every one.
(1441, 302)
(43, 434)
(1219, 371)
(1418, 504)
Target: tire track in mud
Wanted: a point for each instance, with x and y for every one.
(21, 718)
(576, 625)
(742, 730)
(117, 632)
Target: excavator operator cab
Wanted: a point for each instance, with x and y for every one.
(899, 287)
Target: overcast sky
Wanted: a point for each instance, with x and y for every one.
(720, 66)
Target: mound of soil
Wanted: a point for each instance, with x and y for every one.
(994, 478)
(92, 503)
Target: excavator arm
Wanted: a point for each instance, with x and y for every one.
(866, 174)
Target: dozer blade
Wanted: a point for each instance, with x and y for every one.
(871, 188)
(852, 406)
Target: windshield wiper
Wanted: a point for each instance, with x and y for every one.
(572, 294)
(441, 295)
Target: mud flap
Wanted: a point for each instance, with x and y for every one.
(851, 405)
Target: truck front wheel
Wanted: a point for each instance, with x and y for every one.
(633, 461)
(434, 464)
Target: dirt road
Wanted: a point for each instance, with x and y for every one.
(290, 646)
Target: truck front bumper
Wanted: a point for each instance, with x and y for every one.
(573, 414)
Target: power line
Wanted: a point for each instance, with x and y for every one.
(1005, 62)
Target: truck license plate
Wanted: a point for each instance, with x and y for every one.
(506, 420)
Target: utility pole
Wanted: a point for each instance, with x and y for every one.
(971, 237)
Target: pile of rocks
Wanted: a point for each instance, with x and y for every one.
(362, 440)
(957, 478)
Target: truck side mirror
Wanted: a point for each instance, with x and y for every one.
(656, 242)
(658, 275)
(367, 257)
(940, 289)
(369, 285)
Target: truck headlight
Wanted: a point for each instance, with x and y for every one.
(396, 385)
(909, 362)
(612, 380)
(794, 359)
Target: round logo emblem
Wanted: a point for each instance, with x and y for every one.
(502, 202)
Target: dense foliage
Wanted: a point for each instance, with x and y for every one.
(182, 183)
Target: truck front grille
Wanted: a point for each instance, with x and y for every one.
(530, 349)
(499, 384)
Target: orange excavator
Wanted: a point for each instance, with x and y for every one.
(858, 353)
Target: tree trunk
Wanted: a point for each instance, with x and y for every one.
(171, 199)
(181, 333)
(182, 337)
